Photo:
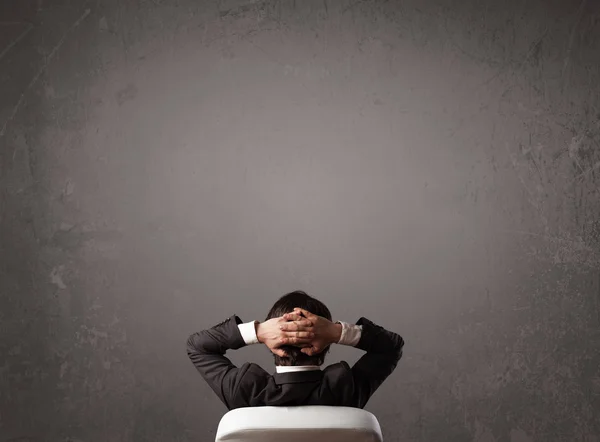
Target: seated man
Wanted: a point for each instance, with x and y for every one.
(298, 330)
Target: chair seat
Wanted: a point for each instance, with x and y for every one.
(298, 424)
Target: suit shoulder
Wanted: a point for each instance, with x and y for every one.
(253, 382)
(253, 375)
(255, 369)
(251, 369)
(337, 371)
(339, 381)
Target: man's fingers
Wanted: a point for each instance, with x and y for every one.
(295, 340)
(306, 313)
(279, 352)
(292, 317)
(304, 324)
(311, 351)
(299, 334)
(308, 350)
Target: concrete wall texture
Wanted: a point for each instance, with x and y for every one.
(432, 165)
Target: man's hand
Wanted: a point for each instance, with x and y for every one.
(273, 335)
(325, 332)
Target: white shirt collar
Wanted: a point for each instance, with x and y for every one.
(289, 369)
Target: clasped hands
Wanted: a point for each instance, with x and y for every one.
(300, 328)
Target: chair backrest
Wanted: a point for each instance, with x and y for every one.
(299, 424)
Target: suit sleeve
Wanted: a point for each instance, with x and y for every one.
(206, 349)
(383, 352)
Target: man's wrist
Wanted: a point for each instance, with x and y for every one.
(336, 332)
(351, 334)
(258, 329)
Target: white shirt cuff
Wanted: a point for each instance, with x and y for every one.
(351, 334)
(248, 332)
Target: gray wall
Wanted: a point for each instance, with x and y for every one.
(433, 166)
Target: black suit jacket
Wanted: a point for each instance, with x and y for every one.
(251, 386)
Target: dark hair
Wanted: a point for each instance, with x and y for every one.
(286, 304)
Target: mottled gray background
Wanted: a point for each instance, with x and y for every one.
(431, 165)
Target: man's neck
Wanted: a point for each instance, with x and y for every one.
(293, 368)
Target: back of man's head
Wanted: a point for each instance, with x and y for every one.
(286, 304)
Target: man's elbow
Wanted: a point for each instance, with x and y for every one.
(400, 343)
(194, 344)
(399, 348)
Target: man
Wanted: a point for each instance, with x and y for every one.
(299, 331)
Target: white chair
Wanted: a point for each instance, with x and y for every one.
(299, 424)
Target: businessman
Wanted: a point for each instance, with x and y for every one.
(299, 332)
